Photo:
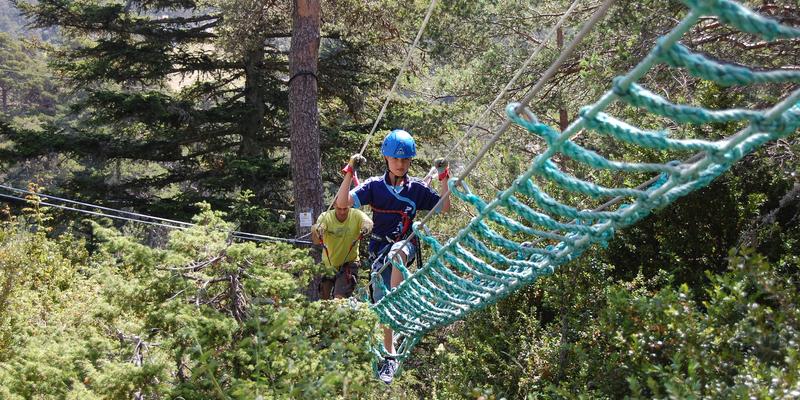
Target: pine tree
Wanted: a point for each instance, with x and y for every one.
(185, 103)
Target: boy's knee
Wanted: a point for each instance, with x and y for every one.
(401, 252)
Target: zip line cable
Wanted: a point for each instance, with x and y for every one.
(166, 223)
(47, 196)
(98, 214)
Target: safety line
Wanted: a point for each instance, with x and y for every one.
(399, 75)
(183, 225)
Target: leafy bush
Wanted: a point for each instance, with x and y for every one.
(203, 318)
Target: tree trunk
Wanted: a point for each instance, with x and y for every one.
(563, 118)
(252, 124)
(304, 118)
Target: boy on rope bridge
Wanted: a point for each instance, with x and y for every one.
(395, 199)
(338, 231)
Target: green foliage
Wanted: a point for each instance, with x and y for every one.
(735, 338)
(665, 311)
(202, 318)
(26, 86)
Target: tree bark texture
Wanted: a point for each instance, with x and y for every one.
(303, 114)
(304, 117)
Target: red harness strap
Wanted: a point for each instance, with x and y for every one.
(406, 220)
(406, 227)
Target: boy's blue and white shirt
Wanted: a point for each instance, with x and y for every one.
(409, 197)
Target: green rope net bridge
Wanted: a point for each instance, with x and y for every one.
(525, 233)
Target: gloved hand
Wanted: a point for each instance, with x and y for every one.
(366, 228)
(443, 168)
(319, 229)
(355, 162)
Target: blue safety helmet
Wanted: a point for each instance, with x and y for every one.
(399, 144)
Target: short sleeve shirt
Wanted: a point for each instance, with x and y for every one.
(339, 237)
(413, 195)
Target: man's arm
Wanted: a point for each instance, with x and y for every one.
(318, 230)
(445, 195)
(315, 236)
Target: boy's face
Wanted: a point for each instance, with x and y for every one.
(398, 166)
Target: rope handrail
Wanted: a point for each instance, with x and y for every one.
(468, 273)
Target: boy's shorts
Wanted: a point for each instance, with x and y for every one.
(408, 249)
(343, 282)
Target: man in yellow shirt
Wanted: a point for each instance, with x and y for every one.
(338, 231)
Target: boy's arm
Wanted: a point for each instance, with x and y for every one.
(343, 195)
(444, 173)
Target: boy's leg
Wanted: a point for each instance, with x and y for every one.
(404, 254)
(401, 252)
(385, 276)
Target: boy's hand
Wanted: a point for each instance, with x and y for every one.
(443, 168)
(355, 162)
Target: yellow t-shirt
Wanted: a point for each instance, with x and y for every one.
(339, 237)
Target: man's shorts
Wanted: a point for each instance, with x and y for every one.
(408, 249)
(343, 282)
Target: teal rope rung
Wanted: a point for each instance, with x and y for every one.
(469, 272)
(455, 254)
(482, 281)
(743, 19)
(605, 124)
(579, 153)
(725, 74)
(534, 217)
(469, 291)
(498, 276)
(638, 96)
(547, 203)
(544, 220)
(496, 257)
(569, 182)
